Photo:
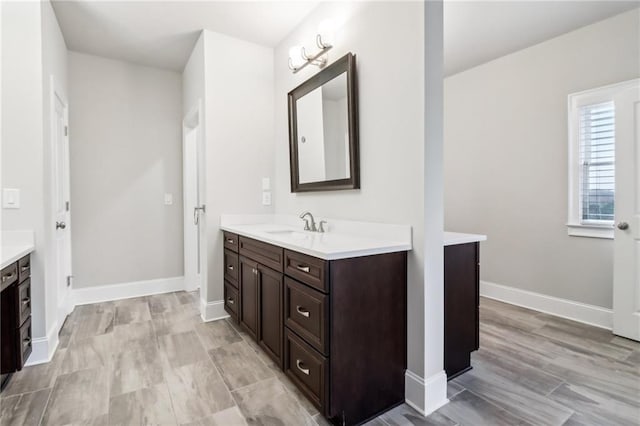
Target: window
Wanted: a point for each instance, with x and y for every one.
(592, 163)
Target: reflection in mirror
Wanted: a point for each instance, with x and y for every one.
(323, 132)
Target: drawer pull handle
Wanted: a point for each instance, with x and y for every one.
(301, 368)
(26, 301)
(230, 267)
(230, 240)
(302, 311)
(231, 301)
(303, 268)
(8, 277)
(24, 268)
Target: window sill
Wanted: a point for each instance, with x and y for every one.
(590, 231)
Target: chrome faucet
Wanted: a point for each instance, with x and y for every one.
(307, 227)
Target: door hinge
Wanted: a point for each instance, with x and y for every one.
(69, 277)
(66, 205)
(66, 130)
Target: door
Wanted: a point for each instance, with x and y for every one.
(193, 210)
(626, 269)
(61, 206)
(270, 287)
(249, 296)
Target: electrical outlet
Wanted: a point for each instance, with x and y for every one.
(266, 198)
(266, 184)
(168, 199)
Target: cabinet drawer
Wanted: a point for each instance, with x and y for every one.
(306, 312)
(23, 301)
(230, 241)
(9, 275)
(263, 253)
(307, 369)
(24, 268)
(231, 300)
(24, 344)
(307, 269)
(231, 267)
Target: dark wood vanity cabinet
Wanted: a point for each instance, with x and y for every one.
(461, 306)
(336, 328)
(15, 317)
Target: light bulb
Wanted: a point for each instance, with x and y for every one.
(295, 56)
(326, 30)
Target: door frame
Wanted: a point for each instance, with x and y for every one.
(193, 120)
(65, 307)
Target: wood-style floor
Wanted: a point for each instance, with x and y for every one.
(151, 360)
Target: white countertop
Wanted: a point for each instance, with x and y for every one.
(15, 245)
(344, 239)
(328, 246)
(364, 239)
(453, 238)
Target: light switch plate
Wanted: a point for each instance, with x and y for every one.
(266, 198)
(266, 184)
(10, 198)
(168, 199)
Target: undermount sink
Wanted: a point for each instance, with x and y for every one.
(289, 233)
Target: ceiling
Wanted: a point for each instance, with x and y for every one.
(476, 32)
(162, 33)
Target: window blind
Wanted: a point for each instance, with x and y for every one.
(597, 157)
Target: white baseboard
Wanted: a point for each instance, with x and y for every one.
(425, 396)
(576, 311)
(212, 311)
(43, 348)
(105, 293)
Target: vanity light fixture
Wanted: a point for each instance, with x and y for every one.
(298, 57)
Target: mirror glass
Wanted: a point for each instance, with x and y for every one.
(323, 132)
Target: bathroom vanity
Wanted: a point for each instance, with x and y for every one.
(329, 309)
(15, 305)
(461, 300)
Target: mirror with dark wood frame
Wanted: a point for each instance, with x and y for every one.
(323, 130)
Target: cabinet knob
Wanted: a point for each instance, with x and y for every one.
(303, 268)
(623, 226)
(301, 368)
(231, 301)
(230, 267)
(302, 311)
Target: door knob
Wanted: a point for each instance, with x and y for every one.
(61, 225)
(623, 226)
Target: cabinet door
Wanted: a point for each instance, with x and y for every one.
(460, 306)
(249, 296)
(271, 315)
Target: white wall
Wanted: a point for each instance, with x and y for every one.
(388, 41)
(239, 146)
(22, 142)
(506, 159)
(235, 80)
(125, 125)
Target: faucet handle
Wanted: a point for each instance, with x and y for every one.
(306, 224)
(321, 226)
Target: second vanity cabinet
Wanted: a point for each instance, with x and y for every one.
(461, 306)
(337, 328)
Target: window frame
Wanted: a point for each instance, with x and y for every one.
(575, 226)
